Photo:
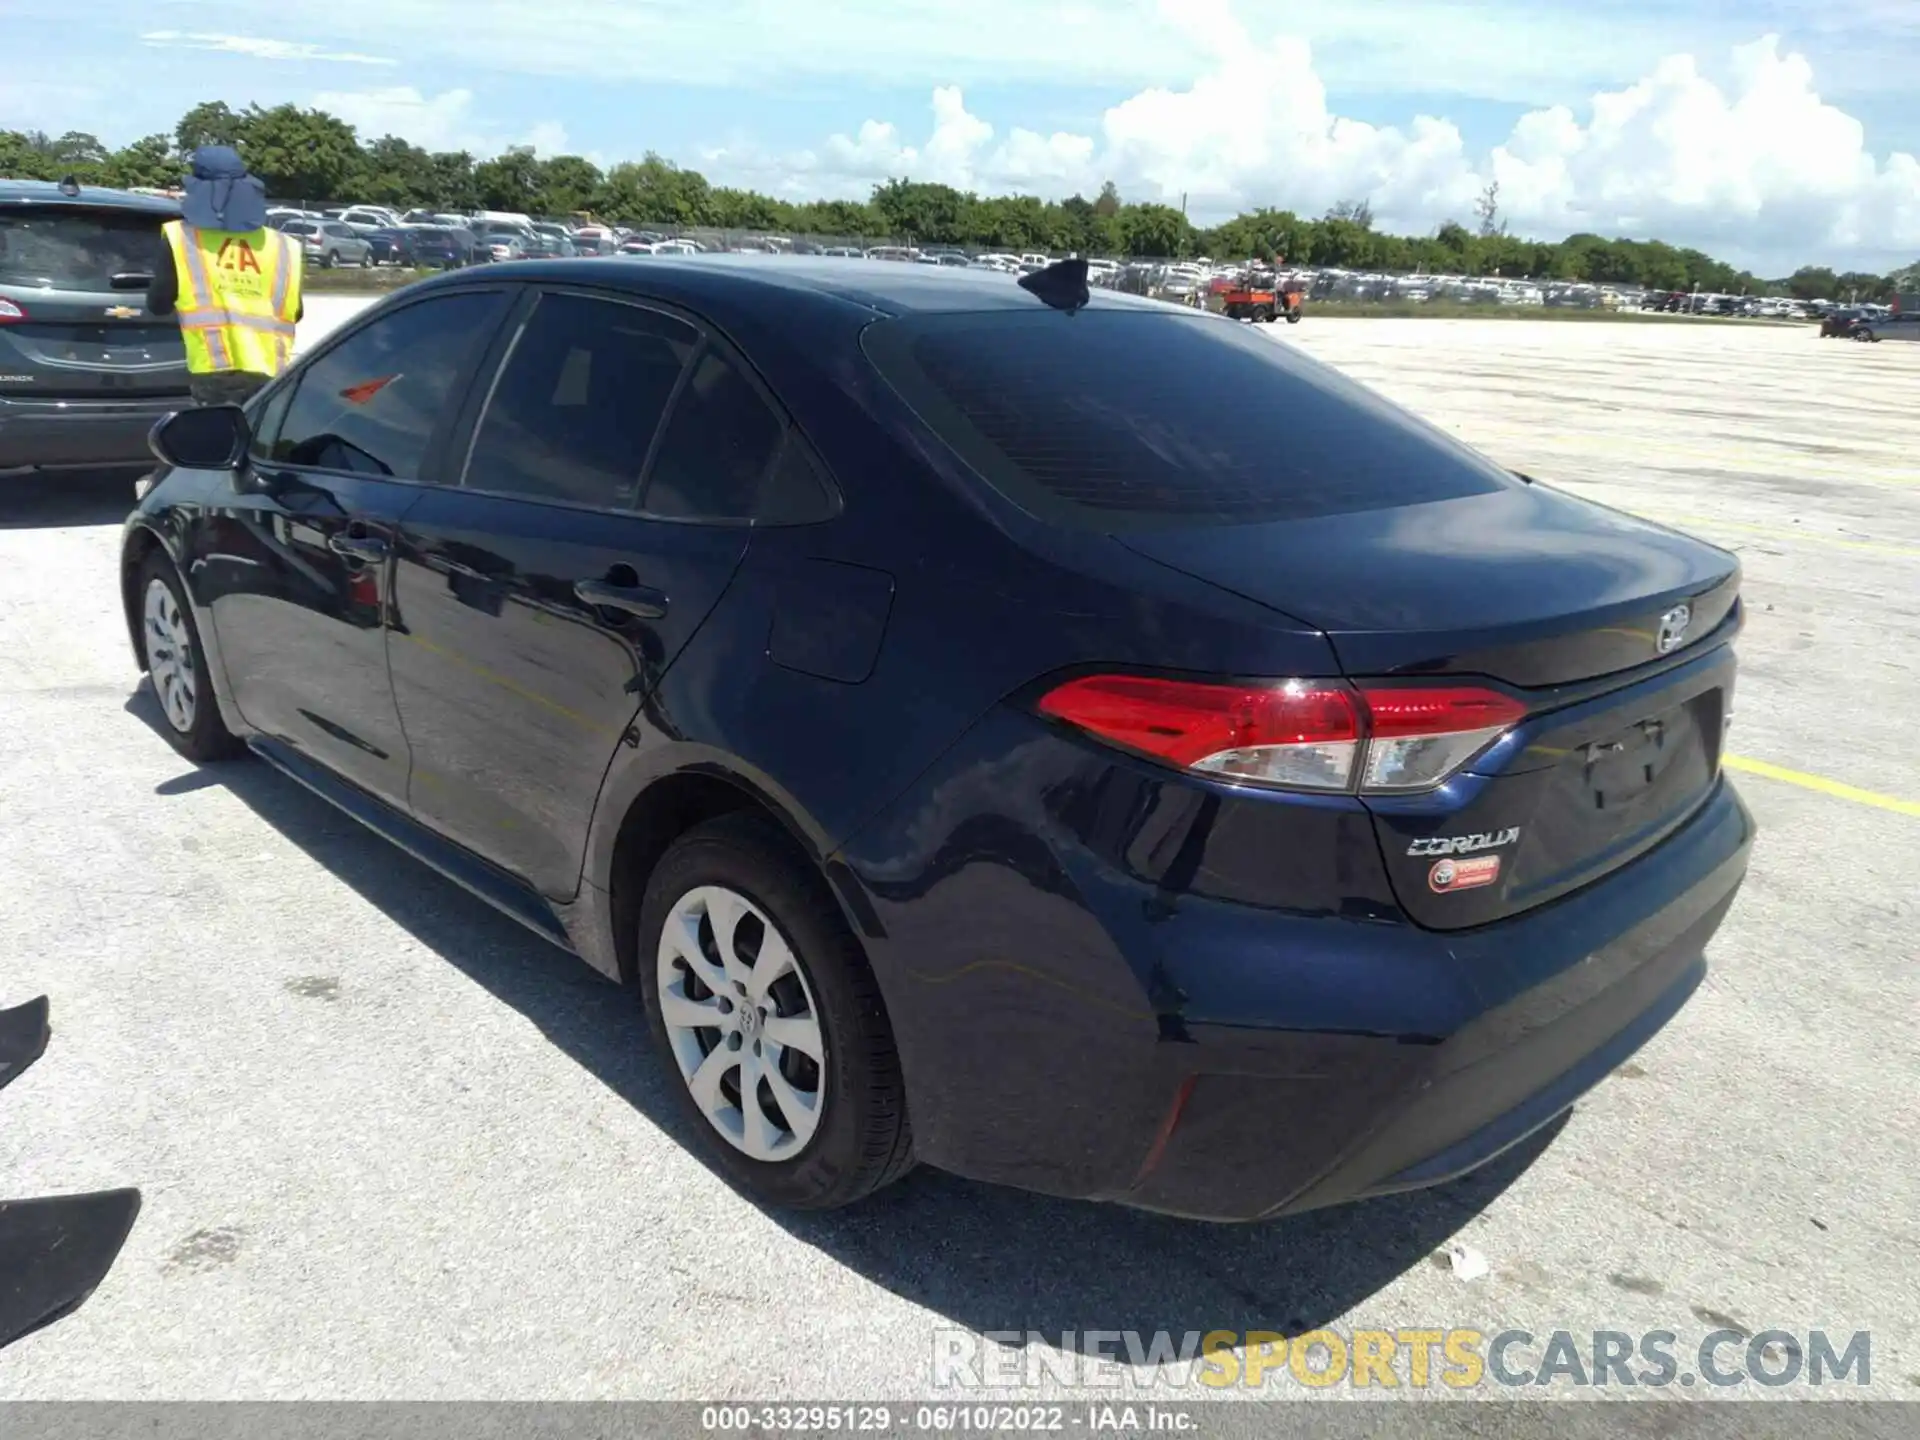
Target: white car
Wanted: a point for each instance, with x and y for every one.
(365, 219)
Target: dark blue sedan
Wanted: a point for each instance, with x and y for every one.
(435, 246)
(1069, 740)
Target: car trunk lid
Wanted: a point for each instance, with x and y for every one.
(1525, 585)
(1611, 630)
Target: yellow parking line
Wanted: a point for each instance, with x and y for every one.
(1825, 786)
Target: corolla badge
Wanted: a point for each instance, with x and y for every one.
(1465, 844)
(1673, 628)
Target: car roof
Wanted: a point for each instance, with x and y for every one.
(889, 287)
(46, 192)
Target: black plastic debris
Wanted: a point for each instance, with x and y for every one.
(54, 1250)
(23, 1037)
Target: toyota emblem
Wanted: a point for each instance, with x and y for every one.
(1673, 628)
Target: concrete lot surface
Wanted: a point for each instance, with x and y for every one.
(394, 1147)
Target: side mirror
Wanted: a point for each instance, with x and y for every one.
(209, 437)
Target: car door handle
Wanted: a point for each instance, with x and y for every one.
(641, 600)
(358, 547)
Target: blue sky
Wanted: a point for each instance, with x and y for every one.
(1772, 149)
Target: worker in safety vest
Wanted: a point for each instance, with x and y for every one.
(234, 283)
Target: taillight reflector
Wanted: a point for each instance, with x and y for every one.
(1301, 734)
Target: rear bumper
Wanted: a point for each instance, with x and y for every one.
(106, 433)
(1067, 1028)
(1575, 989)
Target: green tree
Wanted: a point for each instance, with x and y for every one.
(1109, 203)
(398, 173)
(846, 219)
(148, 163)
(938, 214)
(1155, 231)
(742, 210)
(1455, 249)
(209, 123)
(21, 158)
(78, 153)
(1344, 243)
(450, 181)
(1874, 289)
(1811, 282)
(654, 190)
(568, 183)
(302, 154)
(510, 181)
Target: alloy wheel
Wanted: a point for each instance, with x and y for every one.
(742, 1023)
(170, 656)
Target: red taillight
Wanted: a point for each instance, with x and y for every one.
(1437, 709)
(1304, 734)
(1421, 734)
(11, 313)
(1296, 733)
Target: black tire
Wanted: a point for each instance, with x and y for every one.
(205, 738)
(366, 261)
(1293, 317)
(1865, 336)
(862, 1141)
(330, 259)
(1268, 316)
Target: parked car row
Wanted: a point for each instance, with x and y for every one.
(1871, 324)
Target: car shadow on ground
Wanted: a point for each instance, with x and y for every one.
(987, 1258)
(46, 500)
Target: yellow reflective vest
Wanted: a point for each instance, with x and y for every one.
(239, 294)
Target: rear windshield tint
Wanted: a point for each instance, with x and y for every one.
(76, 249)
(1127, 420)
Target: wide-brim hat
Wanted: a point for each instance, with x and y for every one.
(220, 194)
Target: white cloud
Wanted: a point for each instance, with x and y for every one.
(447, 121)
(1509, 50)
(258, 47)
(1760, 169)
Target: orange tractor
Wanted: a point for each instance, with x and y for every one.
(1260, 295)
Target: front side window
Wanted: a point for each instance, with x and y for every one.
(371, 404)
(575, 407)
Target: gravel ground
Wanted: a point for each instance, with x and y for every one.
(392, 1147)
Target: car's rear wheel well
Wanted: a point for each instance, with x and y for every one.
(140, 544)
(658, 816)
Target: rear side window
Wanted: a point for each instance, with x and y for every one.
(1122, 420)
(77, 249)
(719, 448)
(576, 405)
(372, 403)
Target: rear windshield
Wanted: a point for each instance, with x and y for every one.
(1129, 420)
(76, 249)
